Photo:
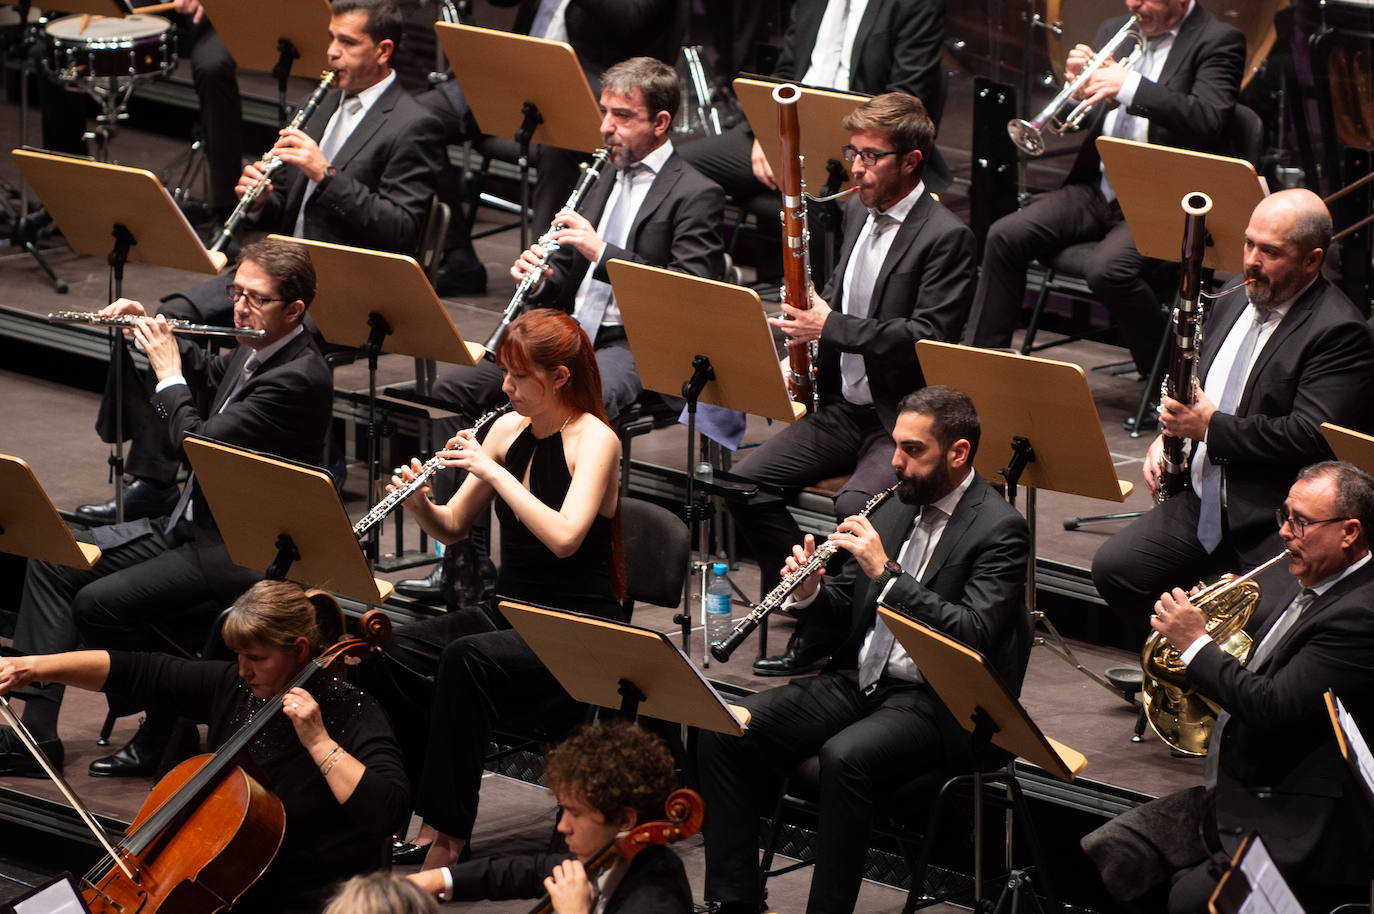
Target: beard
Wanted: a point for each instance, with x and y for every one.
(1265, 293)
(927, 489)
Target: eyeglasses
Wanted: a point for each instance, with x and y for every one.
(235, 292)
(870, 158)
(1298, 525)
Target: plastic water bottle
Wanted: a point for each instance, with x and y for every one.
(718, 620)
(705, 472)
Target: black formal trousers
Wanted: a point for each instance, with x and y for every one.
(215, 76)
(869, 747)
(1117, 274)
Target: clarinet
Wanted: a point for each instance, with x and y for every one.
(721, 650)
(1179, 383)
(546, 246)
(431, 466)
(271, 163)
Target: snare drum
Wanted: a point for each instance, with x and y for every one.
(109, 47)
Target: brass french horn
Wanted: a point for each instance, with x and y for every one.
(1181, 716)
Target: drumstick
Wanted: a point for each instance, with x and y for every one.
(155, 8)
(85, 20)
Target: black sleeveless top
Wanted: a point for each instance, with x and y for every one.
(530, 572)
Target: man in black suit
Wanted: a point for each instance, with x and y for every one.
(362, 176)
(1181, 93)
(905, 274)
(172, 574)
(1284, 352)
(1273, 765)
(959, 567)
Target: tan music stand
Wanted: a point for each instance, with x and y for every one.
(1047, 442)
(1252, 884)
(616, 665)
(818, 110)
(253, 31)
(88, 200)
(1350, 445)
(29, 524)
(708, 342)
(283, 517)
(982, 704)
(1150, 181)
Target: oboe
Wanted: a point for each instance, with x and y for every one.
(129, 320)
(546, 246)
(721, 650)
(271, 163)
(431, 466)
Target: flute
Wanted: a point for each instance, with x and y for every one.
(129, 320)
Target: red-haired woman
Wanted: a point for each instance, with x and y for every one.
(552, 468)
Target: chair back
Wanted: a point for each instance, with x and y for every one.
(1245, 137)
(430, 252)
(657, 545)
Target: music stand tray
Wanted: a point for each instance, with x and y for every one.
(284, 517)
(88, 199)
(29, 524)
(617, 665)
(819, 111)
(253, 30)
(1253, 884)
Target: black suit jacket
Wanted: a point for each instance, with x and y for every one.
(1280, 771)
(656, 882)
(923, 292)
(973, 588)
(1317, 366)
(1190, 106)
(605, 32)
(677, 227)
(387, 171)
(897, 48)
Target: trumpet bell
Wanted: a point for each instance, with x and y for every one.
(1026, 136)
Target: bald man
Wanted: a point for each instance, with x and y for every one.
(1283, 352)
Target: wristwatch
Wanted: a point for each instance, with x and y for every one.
(890, 570)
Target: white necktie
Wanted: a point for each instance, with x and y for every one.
(335, 135)
(615, 228)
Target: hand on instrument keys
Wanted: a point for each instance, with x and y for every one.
(802, 325)
(252, 176)
(295, 147)
(121, 307)
(1189, 422)
(528, 262)
(1079, 55)
(403, 477)
(154, 336)
(465, 452)
(1154, 464)
(799, 557)
(1177, 619)
(577, 232)
(1104, 83)
(856, 536)
(570, 891)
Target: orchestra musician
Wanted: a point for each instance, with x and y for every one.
(381, 893)
(1182, 93)
(1273, 765)
(371, 190)
(607, 779)
(329, 756)
(1284, 351)
(950, 553)
(647, 206)
(551, 467)
(905, 274)
(270, 394)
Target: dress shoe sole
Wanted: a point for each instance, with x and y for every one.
(795, 670)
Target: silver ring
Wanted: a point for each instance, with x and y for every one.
(459, 447)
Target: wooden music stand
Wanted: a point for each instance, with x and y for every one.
(1150, 181)
(522, 87)
(1354, 748)
(29, 524)
(1350, 445)
(1253, 884)
(820, 112)
(984, 706)
(719, 350)
(1054, 443)
(293, 525)
(270, 35)
(617, 665)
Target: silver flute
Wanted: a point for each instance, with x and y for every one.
(271, 163)
(546, 246)
(431, 466)
(129, 320)
(721, 650)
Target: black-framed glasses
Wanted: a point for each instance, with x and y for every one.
(1298, 525)
(235, 292)
(870, 158)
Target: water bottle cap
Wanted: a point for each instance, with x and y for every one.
(719, 568)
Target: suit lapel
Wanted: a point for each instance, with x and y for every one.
(1189, 31)
(232, 372)
(365, 129)
(866, 24)
(1311, 613)
(901, 243)
(1295, 318)
(664, 181)
(893, 522)
(964, 511)
(1218, 325)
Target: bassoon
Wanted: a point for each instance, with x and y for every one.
(796, 246)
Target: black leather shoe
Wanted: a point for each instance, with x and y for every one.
(801, 654)
(426, 589)
(141, 499)
(461, 274)
(137, 758)
(15, 760)
(404, 853)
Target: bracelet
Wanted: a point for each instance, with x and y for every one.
(333, 752)
(325, 771)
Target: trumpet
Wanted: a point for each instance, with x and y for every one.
(1057, 117)
(546, 245)
(271, 163)
(721, 650)
(379, 511)
(129, 320)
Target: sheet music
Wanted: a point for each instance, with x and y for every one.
(1269, 893)
(1354, 739)
(59, 896)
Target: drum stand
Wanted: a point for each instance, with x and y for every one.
(29, 225)
(113, 98)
